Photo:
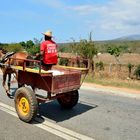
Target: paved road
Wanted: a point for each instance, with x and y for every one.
(100, 115)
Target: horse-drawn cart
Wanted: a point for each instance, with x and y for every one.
(61, 83)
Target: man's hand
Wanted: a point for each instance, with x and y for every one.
(38, 56)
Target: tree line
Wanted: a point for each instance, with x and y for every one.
(31, 46)
(86, 49)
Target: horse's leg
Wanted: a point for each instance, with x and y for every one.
(16, 73)
(9, 81)
(16, 76)
(4, 82)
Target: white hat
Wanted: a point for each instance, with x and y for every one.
(48, 33)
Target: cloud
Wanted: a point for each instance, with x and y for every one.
(122, 12)
(84, 9)
(117, 17)
(120, 16)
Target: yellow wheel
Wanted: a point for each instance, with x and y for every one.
(23, 106)
(26, 104)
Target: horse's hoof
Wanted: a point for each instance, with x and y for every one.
(9, 95)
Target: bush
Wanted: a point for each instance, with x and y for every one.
(100, 65)
(63, 61)
(137, 72)
(14, 47)
(113, 50)
(34, 50)
(130, 66)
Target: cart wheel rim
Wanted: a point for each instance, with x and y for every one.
(23, 106)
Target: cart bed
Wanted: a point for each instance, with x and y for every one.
(69, 80)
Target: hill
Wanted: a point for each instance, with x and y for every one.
(129, 38)
(126, 45)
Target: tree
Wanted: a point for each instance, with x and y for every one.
(86, 50)
(130, 66)
(137, 72)
(37, 42)
(14, 47)
(33, 47)
(23, 44)
(115, 51)
(29, 44)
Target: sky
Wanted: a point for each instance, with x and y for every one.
(22, 20)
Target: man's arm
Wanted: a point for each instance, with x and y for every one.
(41, 52)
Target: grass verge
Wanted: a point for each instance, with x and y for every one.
(130, 83)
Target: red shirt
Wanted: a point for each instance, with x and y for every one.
(49, 49)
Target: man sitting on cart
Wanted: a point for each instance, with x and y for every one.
(48, 51)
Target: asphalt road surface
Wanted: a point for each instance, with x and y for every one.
(99, 115)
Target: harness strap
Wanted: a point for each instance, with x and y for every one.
(6, 56)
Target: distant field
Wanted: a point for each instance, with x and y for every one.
(106, 58)
(125, 58)
(112, 74)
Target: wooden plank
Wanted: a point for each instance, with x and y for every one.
(30, 70)
(74, 68)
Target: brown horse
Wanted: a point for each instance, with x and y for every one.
(16, 60)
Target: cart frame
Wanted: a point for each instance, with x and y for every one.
(63, 87)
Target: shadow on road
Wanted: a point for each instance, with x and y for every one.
(53, 111)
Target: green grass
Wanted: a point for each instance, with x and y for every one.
(131, 84)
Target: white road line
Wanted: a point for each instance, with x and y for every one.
(48, 126)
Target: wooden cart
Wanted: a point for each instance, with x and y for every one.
(61, 83)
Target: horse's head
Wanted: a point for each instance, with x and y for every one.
(4, 55)
(2, 52)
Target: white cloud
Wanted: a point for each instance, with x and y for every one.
(117, 17)
(122, 13)
(84, 9)
(120, 16)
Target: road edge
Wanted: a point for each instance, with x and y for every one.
(112, 90)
